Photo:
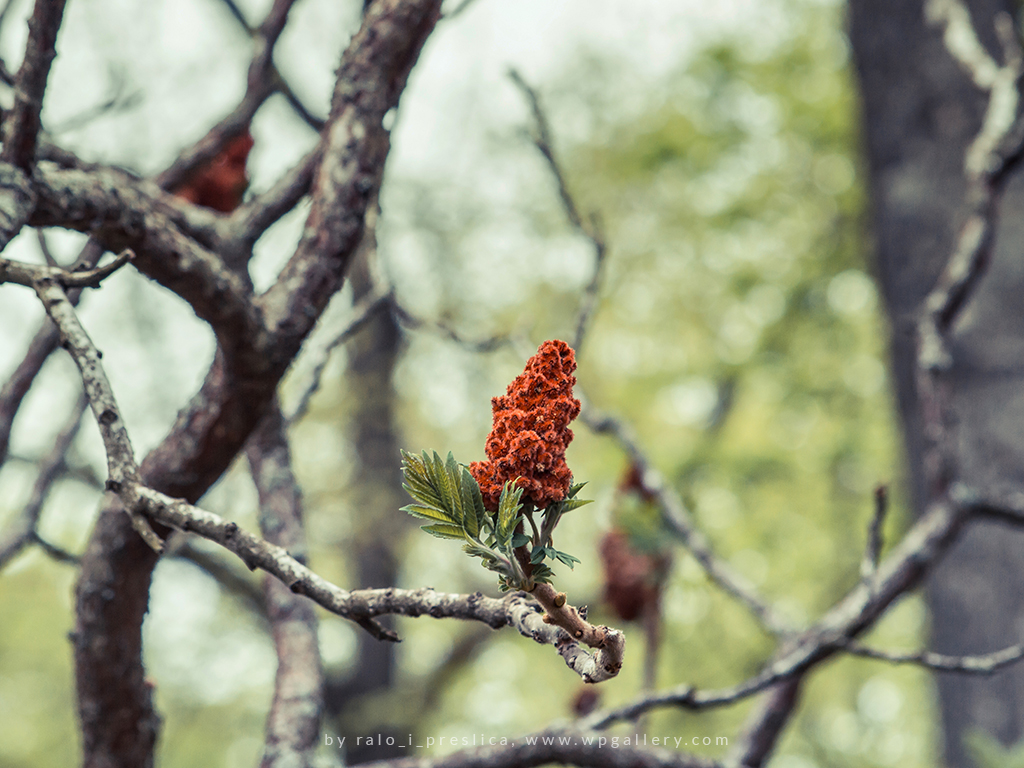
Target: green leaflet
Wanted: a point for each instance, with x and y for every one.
(538, 555)
(473, 503)
(445, 531)
(446, 485)
(574, 489)
(570, 504)
(417, 481)
(508, 511)
(430, 513)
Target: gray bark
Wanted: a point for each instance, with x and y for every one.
(920, 111)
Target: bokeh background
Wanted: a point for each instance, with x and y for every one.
(739, 333)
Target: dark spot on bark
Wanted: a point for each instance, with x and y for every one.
(108, 417)
(230, 530)
(113, 485)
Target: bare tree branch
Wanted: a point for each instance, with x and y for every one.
(115, 703)
(124, 212)
(489, 344)
(254, 217)
(122, 471)
(29, 274)
(22, 531)
(54, 552)
(996, 151)
(369, 84)
(235, 581)
(518, 610)
(42, 344)
(909, 560)
(363, 313)
(259, 87)
(771, 716)
(263, 66)
(590, 228)
(21, 125)
(293, 723)
(984, 664)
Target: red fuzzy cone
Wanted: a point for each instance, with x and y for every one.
(531, 430)
(631, 578)
(221, 183)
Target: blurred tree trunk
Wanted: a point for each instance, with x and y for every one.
(376, 497)
(920, 112)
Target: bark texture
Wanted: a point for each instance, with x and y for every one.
(920, 112)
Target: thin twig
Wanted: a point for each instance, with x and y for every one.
(273, 74)
(984, 664)
(118, 101)
(29, 274)
(589, 227)
(54, 552)
(44, 248)
(233, 579)
(995, 151)
(556, 746)
(260, 85)
(364, 312)
(486, 345)
(23, 530)
(908, 561)
(873, 547)
(122, 471)
(43, 343)
(457, 10)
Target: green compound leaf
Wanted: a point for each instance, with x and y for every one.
(508, 510)
(519, 540)
(443, 494)
(417, 480)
